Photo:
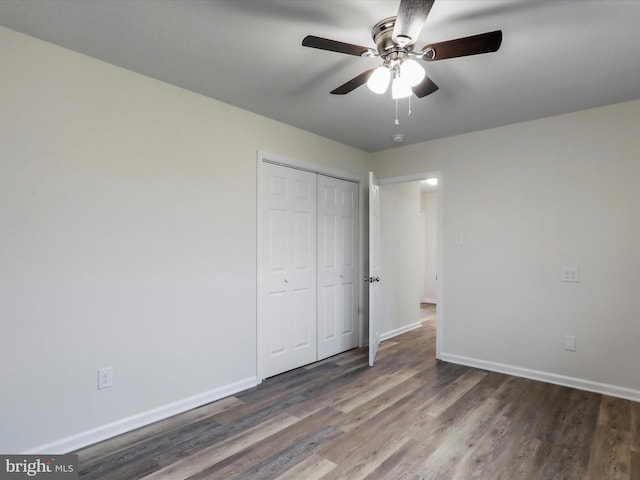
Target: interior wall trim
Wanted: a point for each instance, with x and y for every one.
(124, 425)
(548, 377)
(399, 331)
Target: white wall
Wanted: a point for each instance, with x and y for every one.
(529, 199)
(430, 286)
(127, 239)
(401, 251)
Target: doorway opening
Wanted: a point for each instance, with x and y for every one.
(415, 291)
(428, 314)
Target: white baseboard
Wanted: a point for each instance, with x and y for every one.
(579, 383)
(399, 331)
(103, 432)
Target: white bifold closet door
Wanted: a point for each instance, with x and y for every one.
(337, 266)
(307, 268)
(287, 294)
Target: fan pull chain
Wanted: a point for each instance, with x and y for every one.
(397, 122)
(409, 105)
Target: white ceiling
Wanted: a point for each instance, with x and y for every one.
(557, 56)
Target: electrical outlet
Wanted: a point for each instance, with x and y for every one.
(105, 377)
(570, 343)
(570, 274)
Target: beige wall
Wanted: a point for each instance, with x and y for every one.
(127, 239)
(529, 199)
(428, 204)
(401, 246)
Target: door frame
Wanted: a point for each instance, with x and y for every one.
(263, 157)
(416, 177)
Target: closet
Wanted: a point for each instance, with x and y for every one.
(307, 267)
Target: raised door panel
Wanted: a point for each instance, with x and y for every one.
(287, 263)
(337, 267)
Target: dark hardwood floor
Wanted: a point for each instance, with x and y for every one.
(408, 417)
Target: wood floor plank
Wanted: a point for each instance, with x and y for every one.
(404, 461)
(111, 446)
(374, 390)
(484, 455)
(523, 398)
(378, 404)
(615, 413)
(326, 396)
(559, 461)
(191, 444)
(356, 355)
(548, 419)
(634, 474)
(162, 450)
(137, 468)
(520, 459)
(454, 447)
(289, 458)
(313, 467)
(448, 396)
(578, 427)
(278, 444)
(635, 426)
(611, 454)
(359, 452)
(209, 456)
(426, 433)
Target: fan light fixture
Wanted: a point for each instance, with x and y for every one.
(400, 88)
(379, 80)
(406, 73)
(412, 72)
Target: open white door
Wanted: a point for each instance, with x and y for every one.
(374, 267)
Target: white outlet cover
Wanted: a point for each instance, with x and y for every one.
(105, 377)
(570, 343)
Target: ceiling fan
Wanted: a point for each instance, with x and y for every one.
(395, 38)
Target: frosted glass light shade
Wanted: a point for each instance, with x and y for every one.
(379, 80)
(411, 72)
(400, 88)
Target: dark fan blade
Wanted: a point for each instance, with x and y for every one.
(354, 83)
(334, 45)
(460, 47)
(425, 87)
(410, 20)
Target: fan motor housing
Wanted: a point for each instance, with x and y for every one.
(382, 32)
